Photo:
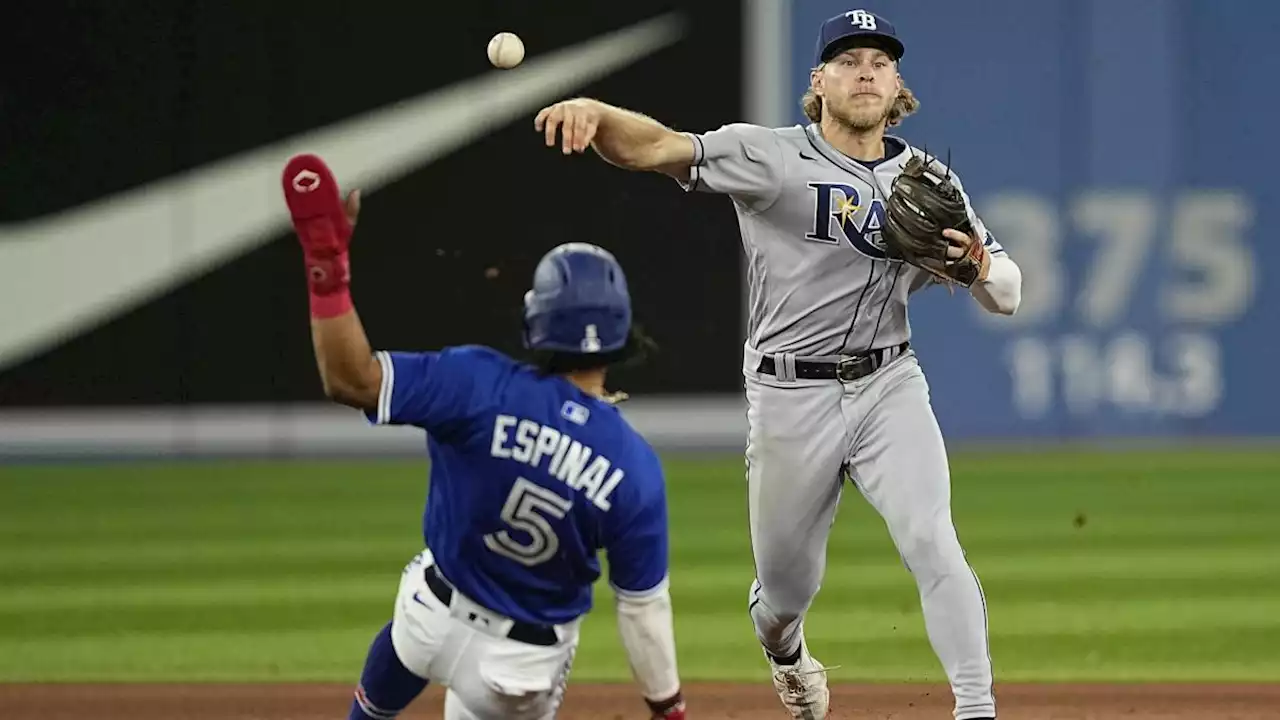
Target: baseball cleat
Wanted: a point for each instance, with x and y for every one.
(802, 687)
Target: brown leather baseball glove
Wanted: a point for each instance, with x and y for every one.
(922, 204)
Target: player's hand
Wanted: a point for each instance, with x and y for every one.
(576, 120)
(962, 244)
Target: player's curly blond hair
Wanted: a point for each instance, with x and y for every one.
(903, 105)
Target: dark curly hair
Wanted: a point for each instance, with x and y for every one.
(639, 348)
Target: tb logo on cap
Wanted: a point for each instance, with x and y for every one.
(862, 19)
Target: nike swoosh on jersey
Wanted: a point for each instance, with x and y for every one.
(64, 273)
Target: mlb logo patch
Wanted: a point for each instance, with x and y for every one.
(575, 413)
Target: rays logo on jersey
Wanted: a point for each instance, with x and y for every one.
(838, 210)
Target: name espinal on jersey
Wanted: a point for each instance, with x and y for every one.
(560, 456)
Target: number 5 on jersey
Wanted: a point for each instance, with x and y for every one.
(527, 508)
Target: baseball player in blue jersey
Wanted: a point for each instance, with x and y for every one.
(533, 471)
(834, 390)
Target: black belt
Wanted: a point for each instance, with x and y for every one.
(846, 369)
(524, 632)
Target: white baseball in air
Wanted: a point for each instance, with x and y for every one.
(506, 50)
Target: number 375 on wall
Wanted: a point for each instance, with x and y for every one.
(1197, 239)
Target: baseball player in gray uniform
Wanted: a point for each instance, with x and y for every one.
(833, 388)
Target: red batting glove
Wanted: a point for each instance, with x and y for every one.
(324, 228)
(670, 709)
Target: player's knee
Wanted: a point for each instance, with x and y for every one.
(511, 692)
(774, 611)
(931, 550)
(518, 705)
(788, 586)
(770, 618)
(483, 702)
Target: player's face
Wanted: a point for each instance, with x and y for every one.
(858, 87)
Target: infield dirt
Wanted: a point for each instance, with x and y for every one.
(707, 701)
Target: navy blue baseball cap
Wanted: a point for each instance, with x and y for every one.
(854, 28)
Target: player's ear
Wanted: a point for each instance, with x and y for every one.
(815, 80)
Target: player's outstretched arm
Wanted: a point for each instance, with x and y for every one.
(622, 137)
(741, 160)
(636, 540)
(647, 628)
(324, 223)
(349, 371)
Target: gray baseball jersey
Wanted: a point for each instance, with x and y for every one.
(810, 216)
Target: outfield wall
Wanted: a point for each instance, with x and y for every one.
(706, 424)
(713, 424)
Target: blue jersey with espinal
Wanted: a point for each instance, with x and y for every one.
(530, 478)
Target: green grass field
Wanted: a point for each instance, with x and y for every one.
(283, 571)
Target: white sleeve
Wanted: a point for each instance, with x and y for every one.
(648, 635)
(382, 414)
(1001, 292)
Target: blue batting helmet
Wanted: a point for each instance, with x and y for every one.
(579, 302)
